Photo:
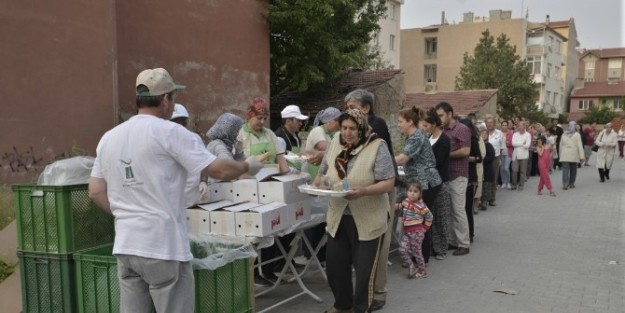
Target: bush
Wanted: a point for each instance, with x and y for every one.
(5, 271)
(7, 213)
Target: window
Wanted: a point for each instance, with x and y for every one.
(430, 48)
(584, 105)
(429, 73)
(589, 72)
(376, 38)
(618, 104)
(589, 65)
(391, 43)
(534, 63)
(548, 97)
(558, 72)
(558, 46)
(391, 11)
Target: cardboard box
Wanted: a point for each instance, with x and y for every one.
(262, 220)
(282, 188)
(223, 219)
(198, 217)
(245, 190)
(198, 221)
(220, 191)
(298, 212)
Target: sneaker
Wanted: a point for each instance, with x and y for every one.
(461, 251)
(441, 256)
(571, 186)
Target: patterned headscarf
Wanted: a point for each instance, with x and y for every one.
(257, 107)
(226, 129)
(364, 137)
(326, 115)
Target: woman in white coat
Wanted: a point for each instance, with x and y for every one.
(571, 153)
(606, 140)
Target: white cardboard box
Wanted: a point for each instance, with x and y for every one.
(198, 221)
(198, 217)
(223, 220)
(262, 220)
(245, 190)
(298, 211)
(282, 188)
(220, 191)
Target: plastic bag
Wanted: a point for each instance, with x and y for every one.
(72, 171)
(211, 253)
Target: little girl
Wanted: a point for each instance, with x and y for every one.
(417, 219)
(544, 164)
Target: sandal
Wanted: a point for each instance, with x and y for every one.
(551, 193)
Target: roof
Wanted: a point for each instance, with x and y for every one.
(558, 24)
(364, 79)
(600, 89)
(463, 102)
(605, 53)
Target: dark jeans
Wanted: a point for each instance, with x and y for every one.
(569, 173)
(468, 207)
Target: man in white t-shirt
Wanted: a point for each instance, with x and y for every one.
(139, 176)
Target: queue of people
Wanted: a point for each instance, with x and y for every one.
(150, 168)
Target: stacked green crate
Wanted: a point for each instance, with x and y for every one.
(223, 290)
(52, 223)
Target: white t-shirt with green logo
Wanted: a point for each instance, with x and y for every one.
(145, 162)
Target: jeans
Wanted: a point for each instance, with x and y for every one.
(569, 173)
(505, 169)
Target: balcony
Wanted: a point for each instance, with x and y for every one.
(539, 78)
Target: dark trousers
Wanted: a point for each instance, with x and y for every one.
(468, 207)
(429, 197)
(346, 250)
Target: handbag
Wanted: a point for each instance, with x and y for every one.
(595, 148)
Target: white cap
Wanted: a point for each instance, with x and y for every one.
(291, 111)
(179, 111)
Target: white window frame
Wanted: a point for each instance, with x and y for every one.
(614, 63)
(535, 61)
(584, 105)
(589, 65)
(429, 73)
(392, 11)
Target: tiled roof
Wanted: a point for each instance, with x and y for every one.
(600, 89)
(605, 53)
(463, 102)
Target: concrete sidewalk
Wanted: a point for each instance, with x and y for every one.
(561, 254)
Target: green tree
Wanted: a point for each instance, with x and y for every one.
(312, 42)
(598, 114)
(495, 65)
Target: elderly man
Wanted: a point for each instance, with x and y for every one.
(521, 141)
(139, 176)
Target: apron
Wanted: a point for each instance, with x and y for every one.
(262, 147)
(313, 170)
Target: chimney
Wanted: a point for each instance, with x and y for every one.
(547, 19)
(442, 17)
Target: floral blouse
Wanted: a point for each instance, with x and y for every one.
(421, 165)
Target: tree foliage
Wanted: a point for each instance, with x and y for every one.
(495, 65)
(312, 42)
(598, 114)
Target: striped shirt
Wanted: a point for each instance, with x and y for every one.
(417, 216)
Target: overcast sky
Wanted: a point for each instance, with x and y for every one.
(599, 23)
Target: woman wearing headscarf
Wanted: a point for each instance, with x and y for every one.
(325, 125)
(255, 139)
(223, 134)
(356, 222)
(441, 145)
(571, 152)
(606, 141)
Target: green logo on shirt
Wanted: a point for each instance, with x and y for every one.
(128, 169)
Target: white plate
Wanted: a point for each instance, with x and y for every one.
(295, 158)
(321, 192)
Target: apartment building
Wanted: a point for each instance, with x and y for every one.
(431, 56)
(387, 38)
(569, 53)
(601, 81)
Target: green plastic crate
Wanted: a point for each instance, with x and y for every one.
(224, 290)
(48, 283)
(59, 219)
